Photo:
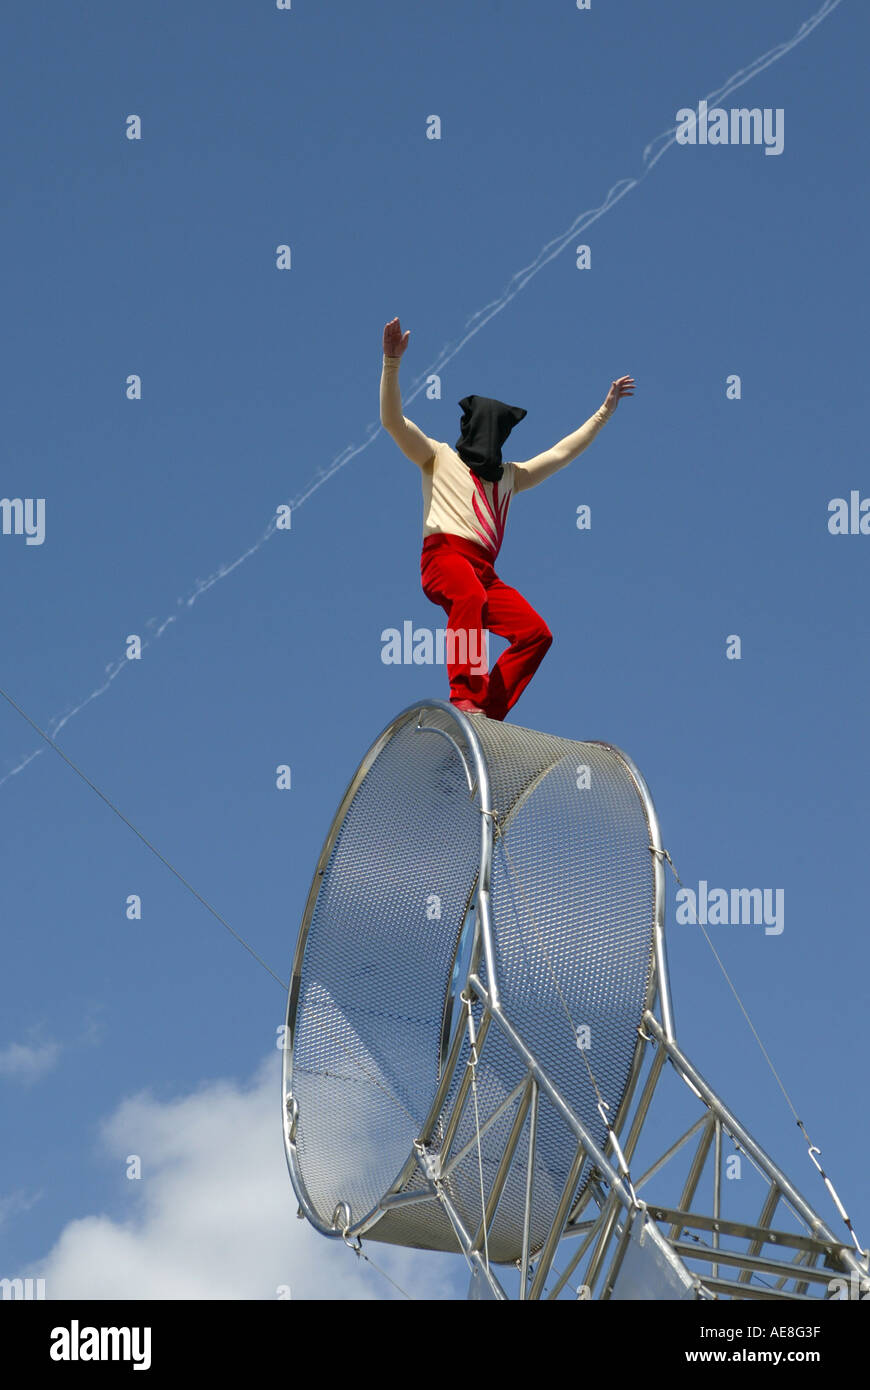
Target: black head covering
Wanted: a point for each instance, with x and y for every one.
(485, 426)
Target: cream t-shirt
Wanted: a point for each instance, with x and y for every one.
(455, 501)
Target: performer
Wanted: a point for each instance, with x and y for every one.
(466, 495)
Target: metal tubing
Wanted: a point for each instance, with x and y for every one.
(771, 1202)
(675, 1148)
(696, 1169)
(558, 1100)
(759, 1292)
(717, 1188)
(742, 1230)
(465, 1244)
(462, 1093)
(644, 1104)
(657, 851)
(503, 1169)
(576, 1257)
(433, 729)
(749, 1264)
(486, 813)
(618, 1257)
(554, 1234)
(609, 1217)
(745, 1140)
(530, 1181)
(447, 1169)
(406, 1199)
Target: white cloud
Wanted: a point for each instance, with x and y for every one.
(25, 1063)
(214, 1214)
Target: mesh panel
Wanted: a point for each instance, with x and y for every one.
(572, 897)
(379, 948)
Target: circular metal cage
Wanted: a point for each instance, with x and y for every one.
(469, 847)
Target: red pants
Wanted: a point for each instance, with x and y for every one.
(458, 575)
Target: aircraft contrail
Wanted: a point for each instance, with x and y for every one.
(651, 155)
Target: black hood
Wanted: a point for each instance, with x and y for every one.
(485, 426)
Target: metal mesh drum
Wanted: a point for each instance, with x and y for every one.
(468, 846)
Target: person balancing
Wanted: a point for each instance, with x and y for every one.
(467, 491)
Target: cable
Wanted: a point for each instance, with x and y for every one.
(77, 770)
(357, 1250)
(355, 1244)
(812, 1148)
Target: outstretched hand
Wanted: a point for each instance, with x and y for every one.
(623, 386)
(395, 341)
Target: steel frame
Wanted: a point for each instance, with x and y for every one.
(596, 1225)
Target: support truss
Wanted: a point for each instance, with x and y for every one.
(694, 1250)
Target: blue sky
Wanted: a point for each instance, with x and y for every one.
(709, 518)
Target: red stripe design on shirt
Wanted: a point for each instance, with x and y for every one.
(494, 522)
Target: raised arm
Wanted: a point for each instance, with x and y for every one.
(416, 445)
(542, 466)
